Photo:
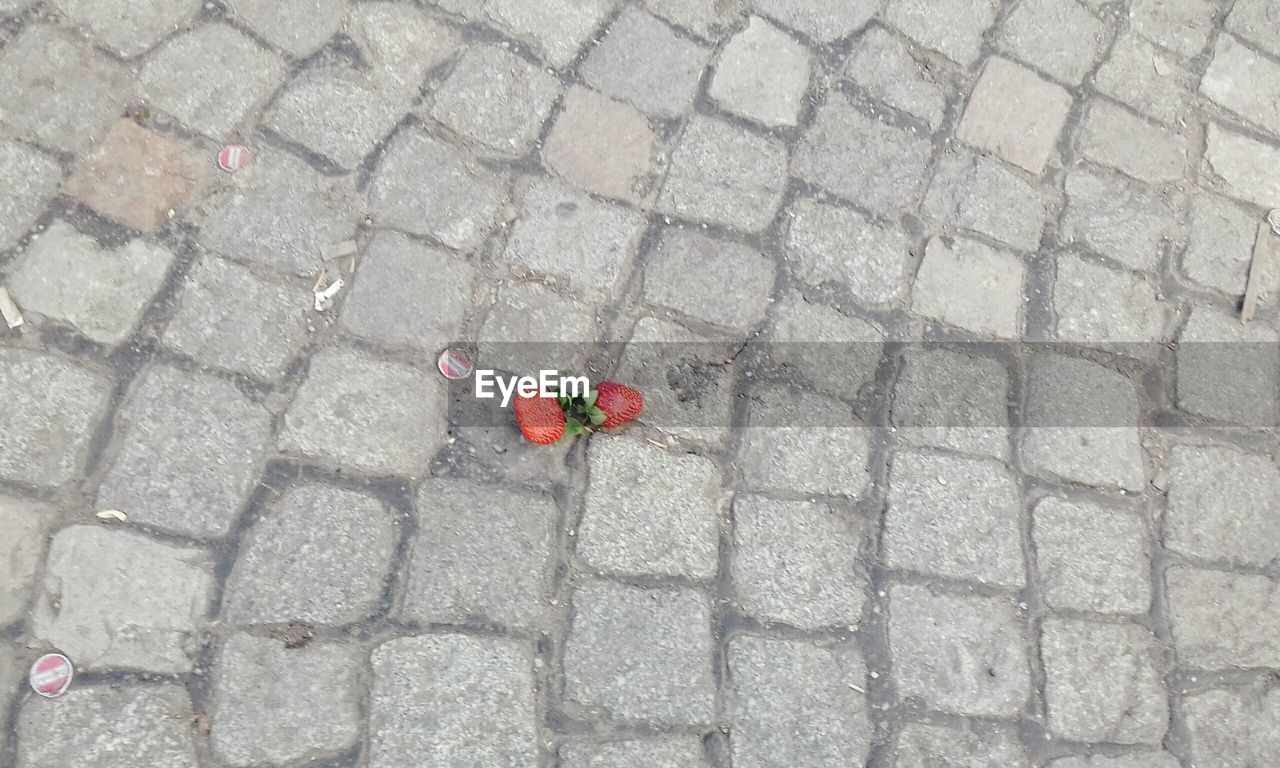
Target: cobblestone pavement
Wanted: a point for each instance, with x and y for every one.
(316, 569)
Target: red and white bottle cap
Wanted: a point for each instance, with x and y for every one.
(51, 675)
(455, 363)
(233, 157)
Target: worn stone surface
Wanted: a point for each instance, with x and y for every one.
(1145, 77)
(1239, 161)
(1116, 218)
(796, 704)
(1143, 759)
(14, 666)
(665, 752)
(949, 400)
(1219, 505)
(105, 726)
(890, 71)
(973, 192)
(1216, 618)
(1244, 82)
(554, 30)
(923, 746)
(129, 28)
(826, 243)
(861, 158)
(797, 562)
(1253, 20)
(1016, 114)
(723, 174)
(27, 525)
(481, 553)
(566, 234)
(408, 294)
(343, 112)
(31, 178)
(1061, 38)
(603, 146)
(532, 328)
(1092, 557)
(67, 277)
(495, 99)
(297, 26)
(190, 448)
(319, 555)
(279, 212)
(762, 74)
(1111, 136)
(1228, 372)
(209, 324)
(470, 698)
(1220, 240)
(1083, 424)
(989, 279)
(953, 517)
(807, 333)
(1094, 304)
(59, 91)
(805, 443)
(187, 78)
(47, 416)
(958, 654)
(643, 62)
(309, 709)
(1182, 26)
(650, 512)
(951, 27)
(119, 600)
(1102, 682)
(708, 18)
(458, 210)
(725, 270)
(372, 416)
(640, 653)
(137, 177)
(1234, 726)
(823, 20)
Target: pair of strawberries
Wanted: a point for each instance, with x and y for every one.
(544, 420)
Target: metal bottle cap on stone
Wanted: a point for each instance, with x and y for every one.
(51, 675)
(233, 157)
(455, 363)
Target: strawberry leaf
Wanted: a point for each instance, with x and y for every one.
(573, 427)
(591, 398)
(597, 416)
(563, 401)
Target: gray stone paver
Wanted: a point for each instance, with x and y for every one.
(344, 570)
(120, 600)
(861, 158)
(457, 699)
(480, 554)
(311, 710)
(650, 512)
(643, 62)
(67, 277)
(319, 555)
(109, 727)
(198, 95)
(796, 704)
(640, 654)
(28, 524)
(190, 448)
(1103, 682)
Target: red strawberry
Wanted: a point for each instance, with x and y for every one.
(620, 402)
(541, 419)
